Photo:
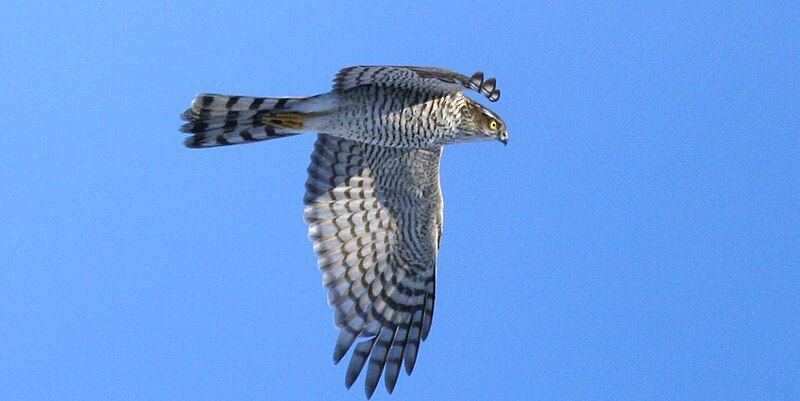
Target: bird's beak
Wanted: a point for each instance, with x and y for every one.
(503, 137)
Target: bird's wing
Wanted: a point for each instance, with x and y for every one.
(431, 78)
(375, 217)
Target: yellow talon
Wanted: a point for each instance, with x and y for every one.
(285, 120)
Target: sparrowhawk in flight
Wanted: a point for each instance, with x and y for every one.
(373, 200)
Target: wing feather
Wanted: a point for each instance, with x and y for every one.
(374, 215)
(406, 77)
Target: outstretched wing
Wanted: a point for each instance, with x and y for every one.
(431, 78)
(375, 217)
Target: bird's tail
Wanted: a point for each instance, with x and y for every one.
(216, 120)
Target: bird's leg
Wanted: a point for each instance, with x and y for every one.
(289, 120)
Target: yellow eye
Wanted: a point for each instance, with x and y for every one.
(493, 125)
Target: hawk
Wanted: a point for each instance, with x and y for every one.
(373, 200)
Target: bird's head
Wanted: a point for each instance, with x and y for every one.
(482, 124)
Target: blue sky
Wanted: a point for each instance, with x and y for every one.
(636, 240)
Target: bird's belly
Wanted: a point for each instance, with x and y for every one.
(404, 119)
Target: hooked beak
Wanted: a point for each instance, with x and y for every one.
(503, 137)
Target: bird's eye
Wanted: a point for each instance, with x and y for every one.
(493, 125)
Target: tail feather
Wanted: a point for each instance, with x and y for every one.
(217, 120)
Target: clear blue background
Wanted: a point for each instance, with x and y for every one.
(636, 240)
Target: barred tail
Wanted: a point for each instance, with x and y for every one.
(216, 120)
